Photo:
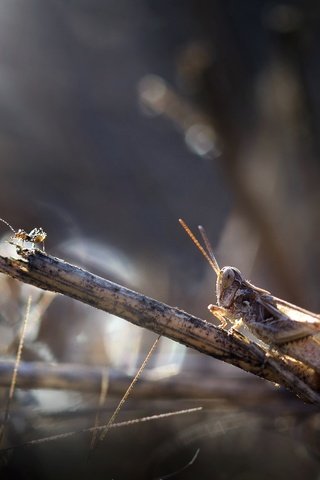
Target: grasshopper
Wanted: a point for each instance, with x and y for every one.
(282, 326)
(35, 236)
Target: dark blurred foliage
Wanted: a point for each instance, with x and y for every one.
(119, 117)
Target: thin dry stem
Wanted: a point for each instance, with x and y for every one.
(127, 423)
(102, 397)
(129, 389)
(15, 369)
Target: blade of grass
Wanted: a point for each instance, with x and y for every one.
(129, 389)
(15, 370)
(102, 397)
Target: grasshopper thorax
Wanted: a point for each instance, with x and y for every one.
(229, 281)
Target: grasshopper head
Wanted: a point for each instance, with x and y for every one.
(229, 279)
(228, 282)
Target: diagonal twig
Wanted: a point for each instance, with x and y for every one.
(50, 273)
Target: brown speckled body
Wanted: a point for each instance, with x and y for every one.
(281, 325)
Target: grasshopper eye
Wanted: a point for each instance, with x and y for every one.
(228, 276)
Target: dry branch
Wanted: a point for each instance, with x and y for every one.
(50, 273)
(240, 390)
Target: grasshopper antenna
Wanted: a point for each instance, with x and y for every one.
(209, 256)
(208, 246)
(8, 224)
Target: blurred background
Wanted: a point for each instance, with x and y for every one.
(116, 119)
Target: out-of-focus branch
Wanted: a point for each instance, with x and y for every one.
(240, 390)
(53, 274)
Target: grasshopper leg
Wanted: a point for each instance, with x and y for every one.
(237, 324)
(219, 313)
